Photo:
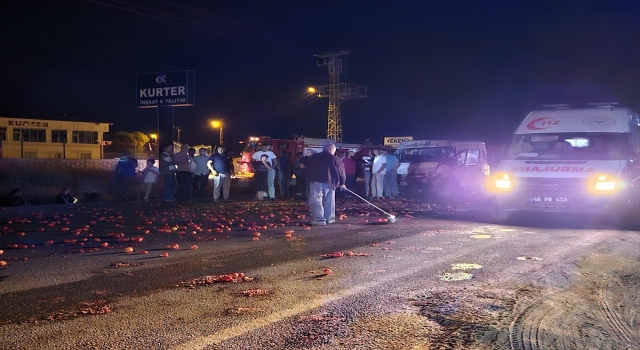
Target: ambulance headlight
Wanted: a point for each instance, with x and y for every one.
(500, 182)
(605, 184)
(503, 182)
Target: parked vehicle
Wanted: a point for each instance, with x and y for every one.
(449, 172)
(572, 159)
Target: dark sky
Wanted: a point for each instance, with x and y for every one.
(434, 69)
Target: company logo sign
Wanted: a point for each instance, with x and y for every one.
(165, 89)
(542, 123)
(28, 123)
(161, 79)
(394, 141)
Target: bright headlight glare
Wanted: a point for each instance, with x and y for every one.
(605, 183)
(605, 186)
(503, 184)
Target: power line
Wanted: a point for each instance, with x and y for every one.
(300, 99)
(220, 17)
(160, 18)
(312, 101)
(190, 20)
(202, 23)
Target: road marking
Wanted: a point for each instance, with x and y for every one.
(465, 266)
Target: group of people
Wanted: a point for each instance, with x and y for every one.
(186, 175)
(380, 169)
(320, 175)
(270, 169)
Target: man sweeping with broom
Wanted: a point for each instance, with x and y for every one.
(325, 173)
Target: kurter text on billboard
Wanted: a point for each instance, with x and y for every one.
(175, 88)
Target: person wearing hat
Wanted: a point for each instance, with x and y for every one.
(325, 173)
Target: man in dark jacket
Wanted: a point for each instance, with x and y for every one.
(168, 172)
(325, 174)
(221, 165)
(125, 174)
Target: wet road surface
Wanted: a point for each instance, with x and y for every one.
(450, 282)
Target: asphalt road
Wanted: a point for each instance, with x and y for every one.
(425, 282)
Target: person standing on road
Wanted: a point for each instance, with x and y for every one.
(349, 169)
(257, 157)
(183, 173)
(125, 174)
(284, 170)
(168, 171)
(201, 175)
(192, 169)
(298, 171)
(325, 173)
(272, 172)
(221, 166)
(378, 169)
(261, 174)
(367, 162)
(303, 164)
(391, 175)
(149, 177)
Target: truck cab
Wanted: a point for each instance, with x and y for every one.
(568, 159)
(455, 170)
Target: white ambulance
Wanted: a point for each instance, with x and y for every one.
(568, 159)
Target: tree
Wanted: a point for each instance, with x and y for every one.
(132, 142)
(137, 138)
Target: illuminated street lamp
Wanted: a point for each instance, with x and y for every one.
(217, 124)
(152, 144)
(311, 90)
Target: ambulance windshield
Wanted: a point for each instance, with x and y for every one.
(571, 146)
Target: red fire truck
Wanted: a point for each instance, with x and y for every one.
(295, 145)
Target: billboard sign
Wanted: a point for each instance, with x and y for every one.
(395, 141)
(175, 88)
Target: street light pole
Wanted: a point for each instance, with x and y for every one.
(218, 124)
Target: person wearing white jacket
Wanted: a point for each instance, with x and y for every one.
(378, 169)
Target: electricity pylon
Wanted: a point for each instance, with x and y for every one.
(336, 92)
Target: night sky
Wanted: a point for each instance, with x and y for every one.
(434, 69)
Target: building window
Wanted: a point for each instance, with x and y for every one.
(85, 155)
(57, 155)
(58, 136)
(86, 137)
(30, 135)
(31, 154)
(3, 134)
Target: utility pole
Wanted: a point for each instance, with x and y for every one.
(177, 128)
(336, 92)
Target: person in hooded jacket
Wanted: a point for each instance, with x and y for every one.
(325, 173)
